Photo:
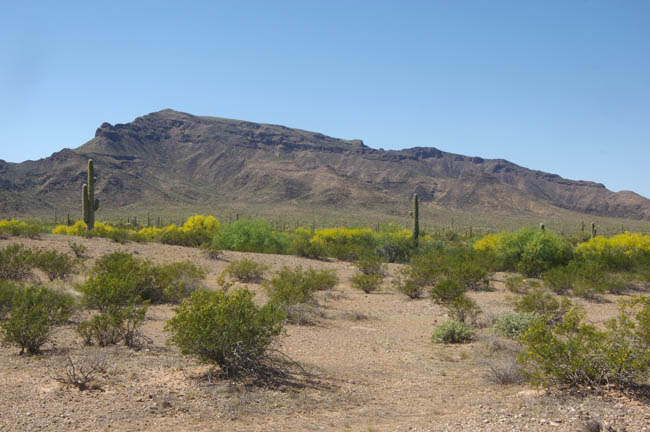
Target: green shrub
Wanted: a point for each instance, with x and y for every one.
(452, 331)
(521, 285)
(463, 309)
(251, 235)
(7, 292)
(29, 228)
(514, 324)
(113, 326)
(34, 311)
(78, 249)
(301, 245)
(119, 235)
(55, 265)
(175, 281)
(246, 270)
(544, 251)
(320, 280)
(446, 291)
(347, 244)
(543, 303)
(370, 264)
(409, 287)
(119, 279)
(366, 282)
(560, 280)
(574, 352)
(227, 329)
(15, 262)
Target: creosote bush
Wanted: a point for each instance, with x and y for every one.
(543, 303)
(514, 324)
(15, 262)
(573, 352)
(55, 265)
(366, 282)
(115, 325)
(246, 270)
(293, 286)
(226, 329)
(446, 291)
(452, 331)
(34, 311)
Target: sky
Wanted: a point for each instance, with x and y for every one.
(558, 86)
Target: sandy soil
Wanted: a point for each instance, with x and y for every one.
(369, 360)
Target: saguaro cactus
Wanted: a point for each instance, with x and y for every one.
(593, 229)
(542, 226)
(89, 203)
(416, 219)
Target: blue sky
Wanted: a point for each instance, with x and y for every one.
(560, 86)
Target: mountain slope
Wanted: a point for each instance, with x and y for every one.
(175, 159)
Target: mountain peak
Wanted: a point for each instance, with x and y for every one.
(177, 159)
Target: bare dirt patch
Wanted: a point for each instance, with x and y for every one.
(368, 360)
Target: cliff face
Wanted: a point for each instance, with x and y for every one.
(173, 158)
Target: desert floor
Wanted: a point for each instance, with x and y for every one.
(369, 365)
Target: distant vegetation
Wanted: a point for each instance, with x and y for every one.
(546, 269)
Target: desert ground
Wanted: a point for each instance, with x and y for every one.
(366, 363)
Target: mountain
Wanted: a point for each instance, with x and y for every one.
(175, 160)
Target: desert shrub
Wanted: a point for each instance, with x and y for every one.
(286, 288)
(119, 279)
(79, 229)
(395, 243)
(115, 325)
(15, 262)
(544, 251)
(302, 245)
(446, 291)
(471, 275)
(118, 235)
(320, 280)
(574, 352)
(543, 303)
(246, 270)
(504, 371)
(55, 265)
(345, 243)
(620, 252)
(370, 264)
(452, 331)
(463, 309)
(560, 280)
(251, 235)
(29, 228)
(227, 329)
(409, 287)
(528, 251)
(78, 249)
(514, 324)
(34, 311)
(7, 292)
(521, 285)
(585, 278)
(174, 281)
(366, 282)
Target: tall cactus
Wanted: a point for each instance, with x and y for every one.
(89, 204)
(416, 219)
(593, 229)
(542, 227)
